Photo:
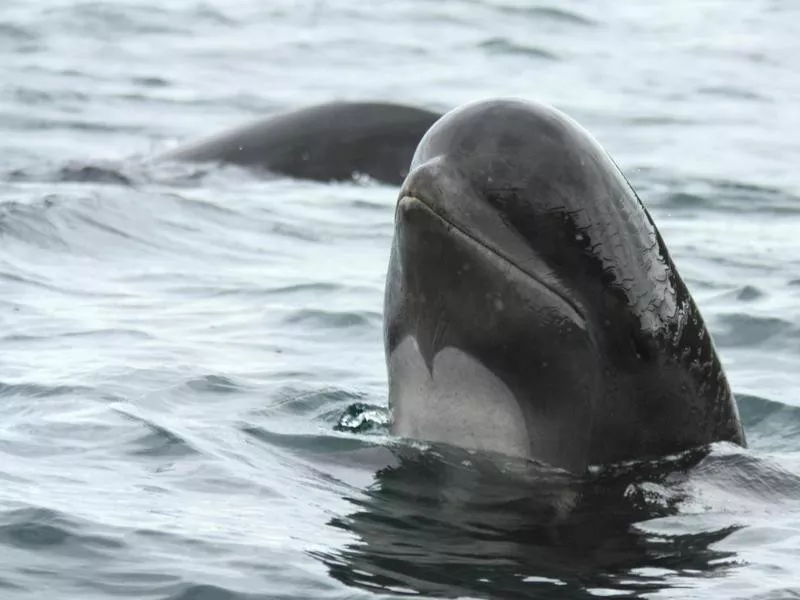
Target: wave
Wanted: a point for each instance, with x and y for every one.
(505, 46)
(673, 192)
(328, 319)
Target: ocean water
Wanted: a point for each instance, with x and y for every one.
(192, 386)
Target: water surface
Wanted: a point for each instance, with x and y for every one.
(192, 386)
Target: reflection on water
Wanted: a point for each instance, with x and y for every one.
(451, 523)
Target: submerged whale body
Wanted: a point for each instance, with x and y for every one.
(532, 307)
(328, 142)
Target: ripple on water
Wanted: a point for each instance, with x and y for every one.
(213, 592)
(95, 18)
(748, 330)
(16, 38)
(718, 196)
(327, 319)
(156, 441)
(93, 174)
(84, 222)
(316, 404)
(748, 293)
(48, 530)
(314, 443)
(550, 13)
(498, 45)
(36, 390)
(213, 385)
(769, 425)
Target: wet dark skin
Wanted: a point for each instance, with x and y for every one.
(519, 242)
(327, 142)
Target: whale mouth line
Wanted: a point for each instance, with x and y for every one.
(407, 199)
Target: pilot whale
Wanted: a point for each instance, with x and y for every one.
(532, 307)
(327, 142)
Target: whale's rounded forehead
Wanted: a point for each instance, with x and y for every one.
(515, 131)
(556, 189)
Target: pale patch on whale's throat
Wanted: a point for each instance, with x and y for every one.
(459, 402)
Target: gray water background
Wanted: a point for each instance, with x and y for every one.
(178, 343)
